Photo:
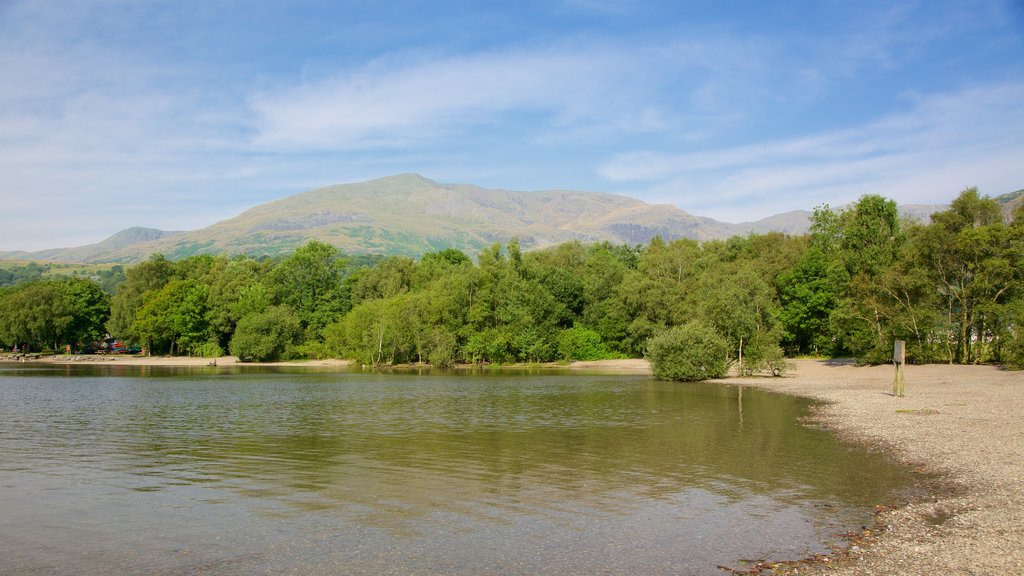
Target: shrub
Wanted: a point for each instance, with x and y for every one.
(763, 354)
(581, 344)
(442, 349)
(209, 349)
(691, 352)
(264, 336)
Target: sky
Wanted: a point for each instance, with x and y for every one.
(175, 115)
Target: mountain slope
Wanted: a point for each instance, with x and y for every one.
(409, 214)
(108, 250)
(1009, 202)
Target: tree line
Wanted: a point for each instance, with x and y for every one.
(953, 289)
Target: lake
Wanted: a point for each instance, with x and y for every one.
(136, 470)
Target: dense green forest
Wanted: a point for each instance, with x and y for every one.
(952, 288)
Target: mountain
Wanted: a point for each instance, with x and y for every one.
(1010, 202)
(109, 250)
(409, 214)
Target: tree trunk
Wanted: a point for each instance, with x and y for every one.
(741, 355)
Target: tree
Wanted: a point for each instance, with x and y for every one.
(690, 352)
(309, 281)
(174, 317)
(976, 264)
(807, 297)
(867, 241)
(581, 344)
(51, 313)
(27, 314)
(658, 294)
(265, 336)
(235, 290)
(82, 311)
(742, 308)
(152, 274)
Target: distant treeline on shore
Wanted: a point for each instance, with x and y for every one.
(953, 289)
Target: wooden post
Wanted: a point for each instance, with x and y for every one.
(899, 358)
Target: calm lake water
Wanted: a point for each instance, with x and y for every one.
(210, 471)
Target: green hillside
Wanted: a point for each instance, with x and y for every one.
(410, 215)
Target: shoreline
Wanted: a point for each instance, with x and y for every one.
(961, 425)
(632, 366)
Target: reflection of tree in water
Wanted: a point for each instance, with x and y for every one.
(408, 446)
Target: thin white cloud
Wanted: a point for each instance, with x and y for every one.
(392, 104)
(101, 128)
(579, 88)
(946, 142)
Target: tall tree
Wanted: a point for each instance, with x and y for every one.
(309, 281)
(152, 274)
(174, 317)
(977, 266)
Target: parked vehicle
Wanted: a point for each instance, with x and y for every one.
(112, 346)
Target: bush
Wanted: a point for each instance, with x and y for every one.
(581, 344)
(209, 349)
(264, 336)
(691, 352)
(442, 348)
(763, 354)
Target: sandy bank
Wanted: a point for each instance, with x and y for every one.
(623, 366)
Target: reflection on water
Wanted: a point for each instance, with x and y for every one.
(243, 472)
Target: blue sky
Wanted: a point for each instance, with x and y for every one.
(177, 114)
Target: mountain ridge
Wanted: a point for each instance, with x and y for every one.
(411, 215)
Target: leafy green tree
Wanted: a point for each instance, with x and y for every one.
(742, 308)
(267, 335)
(1014, 353)
(690, 352)
(605, 271)
(27, 314)
(976, 264)
(869, 241)
(174, 317)
(871, 235)
(379, 331)
(309, 281)
(509, 309)
(581, 344)
(152, 274)
(659, 293)
(235, 290)
(202, 268)
(52, 313)
(808, 297)
(390, 277)
(435, 265)
(82, 310)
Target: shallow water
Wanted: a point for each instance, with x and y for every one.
(215, 471)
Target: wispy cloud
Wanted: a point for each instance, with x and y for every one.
(942, 144)
(117, 113)
(578, 87)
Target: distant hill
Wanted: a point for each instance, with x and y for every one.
(409, 214)
(110, 250)
(1010, 202)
